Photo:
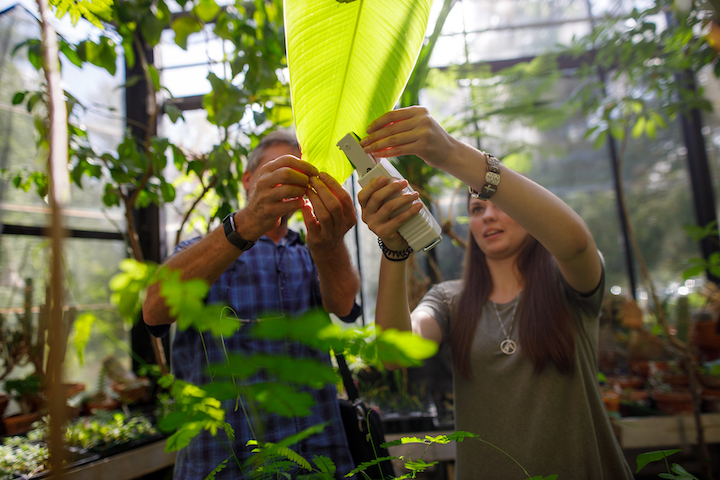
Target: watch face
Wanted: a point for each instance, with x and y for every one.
(492, 178)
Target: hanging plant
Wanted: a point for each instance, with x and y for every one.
(349, 62)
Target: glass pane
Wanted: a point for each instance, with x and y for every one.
(492, 14)
(190, 81)
(202, 47)
(711, 129)
(449, 50)
(185, 71)
(618, 7)
(97, 90)
(24, 263)
(520, 43)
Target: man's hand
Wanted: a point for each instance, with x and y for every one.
(278, 190)
(329, 215)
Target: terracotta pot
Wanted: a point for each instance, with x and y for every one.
(73, 389)
(611, 400)
(709, 381)
(4, 401)
(131, 394)
(632, 315)
(676, 380)
(673, 403)
(631, 381)
(706, 334)
(711, 400)
(103, 404)
(635, 396)
(20, 423)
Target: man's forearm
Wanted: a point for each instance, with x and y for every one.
(207, 260)
(339, 280)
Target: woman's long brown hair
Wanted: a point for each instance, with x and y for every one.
(546, 329)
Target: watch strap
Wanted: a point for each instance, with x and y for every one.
(492, 179)
(232, 235)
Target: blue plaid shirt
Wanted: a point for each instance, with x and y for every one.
(273, 278)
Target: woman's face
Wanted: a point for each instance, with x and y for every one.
(497, 235)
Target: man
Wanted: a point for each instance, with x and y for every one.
(256, 264)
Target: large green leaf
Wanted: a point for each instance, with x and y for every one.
(349, 62)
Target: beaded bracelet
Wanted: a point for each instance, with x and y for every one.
(395, 255)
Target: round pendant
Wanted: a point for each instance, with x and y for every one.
(508, 346)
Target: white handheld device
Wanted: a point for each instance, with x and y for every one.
(422, 231)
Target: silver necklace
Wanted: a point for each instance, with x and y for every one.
(507, 346)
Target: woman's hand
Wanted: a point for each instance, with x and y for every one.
(385, 207)
(409, 131)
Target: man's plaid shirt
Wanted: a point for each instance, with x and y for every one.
(267, 278)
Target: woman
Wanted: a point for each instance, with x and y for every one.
(522, 324)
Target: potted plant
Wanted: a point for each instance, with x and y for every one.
(669, 398)
(28, 393)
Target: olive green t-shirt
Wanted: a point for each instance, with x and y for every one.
(550, 423)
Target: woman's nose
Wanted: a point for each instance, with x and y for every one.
(489, 213)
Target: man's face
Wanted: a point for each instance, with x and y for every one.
(249, 179)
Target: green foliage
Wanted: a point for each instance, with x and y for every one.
(95, 11)
(100, 54)
(194, 410)
(25, 390)
(134, 176)
(675, 472)
(218, 469)
(105, 430)
(698, 266)
(198, 408)
(374, 44)
(302, 371)
(83, 328)
(375, 345)
(20, 457)
(633, 51)
(127, 287)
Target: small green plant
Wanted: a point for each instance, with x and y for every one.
(105, 430)
(415, 467)
(100, 431)
(675, 471)
(19, 457)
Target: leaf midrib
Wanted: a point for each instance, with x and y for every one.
(351, 52)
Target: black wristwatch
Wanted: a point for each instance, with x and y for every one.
(232, 235)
